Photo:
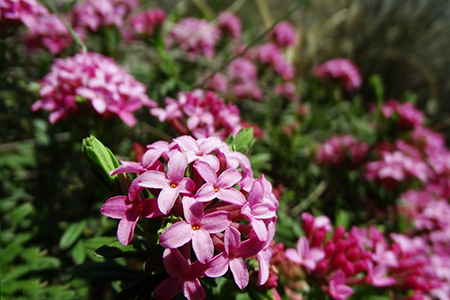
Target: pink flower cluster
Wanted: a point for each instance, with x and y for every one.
(399, 163)
(284, 34)
(229, 23)
(92, 14)
(270, 54)
(408, 116)
(333, 152)
(219, 210)
(194, 36)
(148, 21)
(243, 77)
(24, 10)
(108, 87)
(201, 114)
(342, 70)
(365, 257)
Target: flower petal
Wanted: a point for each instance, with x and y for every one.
(167, 198)
(176, 235)
(154, 180)
(168, 289)
(192, 289)
(231, 195)
(175, 263)
(216, 222)
(206, 171)
(228, 178)
(115, 207)
(240, 272)
(125, 230)
(218, 266)
(176, 166)
(203, 246)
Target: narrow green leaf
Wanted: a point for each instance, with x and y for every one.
(71, 234)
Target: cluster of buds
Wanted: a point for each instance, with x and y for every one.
(342, 70)
(271, 55)
(214, 205)
(108, 87)
(333, 152)
(284, 34)
(229, 23)
(202, 114)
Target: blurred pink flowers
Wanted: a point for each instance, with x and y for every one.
(147, 22)
(194, 36)
(333, 152)
(342, 70)
(108, 87)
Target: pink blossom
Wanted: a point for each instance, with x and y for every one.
(340, 69)
(194, 36)
(284, 34)
(333, 152)
(270, 54)
(409, 116)
(228, 22)
(25, 10)
(337, 288)
(287, 91)
(305, 256)
(147, 22)
(129, 210)
(202, 114)
(197, 228)
(171, 184)
(183, 277)
(218, 83)
(109, 88)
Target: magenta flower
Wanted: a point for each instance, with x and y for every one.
(109, 88)
(337, 288)
(218, 187)
(305, 256)
(284, 34)
(228, 22)
(147, 22)
(197, 228)
(409, 116)
(25, 10)
(233, 256)
(183, 277)
(171, 184)
(333, 152)
(340, 69)
(129, 210)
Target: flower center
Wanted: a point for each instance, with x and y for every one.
(216, 189)
(173, 185)
(195, 227)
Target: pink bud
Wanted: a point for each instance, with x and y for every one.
(348, 269)
(321, 266)
(318, 238)
(338, 233)
(338, 261)
(359, 266)
(352, 254)
(329, 249)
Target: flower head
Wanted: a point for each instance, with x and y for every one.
(340, 69)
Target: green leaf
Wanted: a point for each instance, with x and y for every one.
(243, 141)
(102, 161)
(78, 252)
(20, 212)
(71, 234)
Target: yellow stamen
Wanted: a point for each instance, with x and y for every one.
(195, 227)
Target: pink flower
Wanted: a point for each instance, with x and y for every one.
(147, 21)
(109, 88)
(270, 54)
(25, 10)
(303, 255)
(202, 114)
(409, 116)
(183, 277)
(340, 69)
(284, 34)
(171, 184)
(194, 36)
(197, 228)
(129, 210)
(218, 83)
(287, 91)
(333, 152)
(232, 257)
(337, 288)
(228, 22)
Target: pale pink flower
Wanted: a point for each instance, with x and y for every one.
(270, 54)
(342, 70)
(194, 36)
(171, 184)
(409, 115)
(305, 256)
(25, 10)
